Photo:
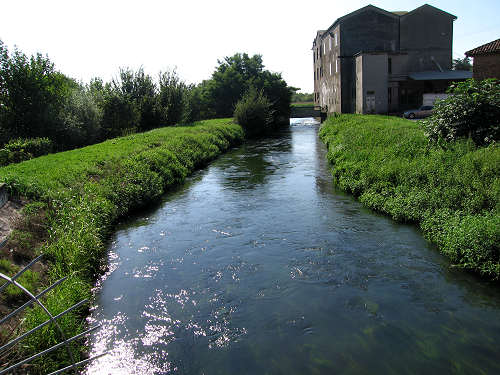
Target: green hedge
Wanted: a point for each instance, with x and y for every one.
(453, 193)
(87, 190)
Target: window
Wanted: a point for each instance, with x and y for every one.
(330, 42)
(389, 94)
(389, 65)
(324, 48)
(330, 68)
(336, 41)
(336, 66)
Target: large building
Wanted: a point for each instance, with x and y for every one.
(375, 61)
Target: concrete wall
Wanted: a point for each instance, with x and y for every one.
(368, 32)
(372, 81)
(359, 84)
(426, 34)
(487, 66)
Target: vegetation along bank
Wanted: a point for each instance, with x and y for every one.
(451, 192)
(75, 197)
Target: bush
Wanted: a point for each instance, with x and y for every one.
(472, 110)
(253, 112)
(18, 150)
(34, 146)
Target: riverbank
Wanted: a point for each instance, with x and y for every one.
(77, 196)
(453, 194)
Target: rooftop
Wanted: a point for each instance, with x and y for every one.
(491, 47)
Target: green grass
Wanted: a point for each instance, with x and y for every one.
(86, 190)
(303, 104)
(453, 194)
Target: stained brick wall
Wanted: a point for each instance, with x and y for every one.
(487, 66)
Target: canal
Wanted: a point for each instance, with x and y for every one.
(258, 265)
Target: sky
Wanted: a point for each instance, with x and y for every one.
(87, 39)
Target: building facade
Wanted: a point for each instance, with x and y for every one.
(486, 60)
(375, 61)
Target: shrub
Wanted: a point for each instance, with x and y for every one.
(18, 150)
(253, 112)
(34, 146)
(472, 110)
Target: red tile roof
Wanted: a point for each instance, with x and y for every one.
(490, 47)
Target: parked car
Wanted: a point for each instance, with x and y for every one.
(424, 111)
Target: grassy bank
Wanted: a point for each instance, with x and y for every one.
(453, 194)
(302, 104)
(77, 196)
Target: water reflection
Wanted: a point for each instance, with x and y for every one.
(256, 265)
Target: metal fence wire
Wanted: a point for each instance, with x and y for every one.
(51, 319)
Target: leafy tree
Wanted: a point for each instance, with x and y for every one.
(32, 94)
(173, 98)
(302, 97)
(462, 64)
(235, 75)
(472, 110)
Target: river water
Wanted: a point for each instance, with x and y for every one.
(258, 265)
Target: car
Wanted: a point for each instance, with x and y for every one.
(424, 111)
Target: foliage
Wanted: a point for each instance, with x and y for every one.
(38, 101)
(452, 193)
(86, 190)
(32, 94)
(299, 97)
(254, 113)
(234, 76)
(81, 119)
(17, 150)
(472, 110)
(303, 104)
(462, 64)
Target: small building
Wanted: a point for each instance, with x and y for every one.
(375, 61)
(486, 60)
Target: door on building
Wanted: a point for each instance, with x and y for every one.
(370, 103)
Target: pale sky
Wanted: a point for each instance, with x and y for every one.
(92, 38)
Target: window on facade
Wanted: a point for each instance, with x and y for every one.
(336, 66)
(389, 65)
(336, 41)
(324, 48)
(330, 43)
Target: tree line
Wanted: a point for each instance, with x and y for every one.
(38, 101)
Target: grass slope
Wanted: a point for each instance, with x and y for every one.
(453, 193)
(83, 192)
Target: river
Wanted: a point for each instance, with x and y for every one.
(258, 265)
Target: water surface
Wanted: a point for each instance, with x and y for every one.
(257, 265)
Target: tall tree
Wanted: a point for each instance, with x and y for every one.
(235, 75)
(462, 64)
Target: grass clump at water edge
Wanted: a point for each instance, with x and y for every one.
(452, 193)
